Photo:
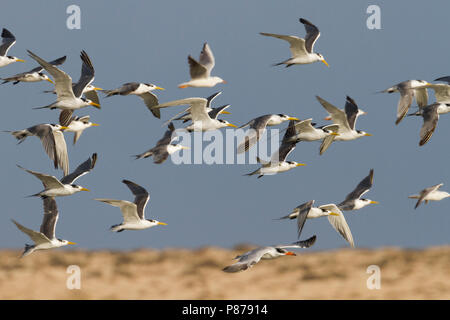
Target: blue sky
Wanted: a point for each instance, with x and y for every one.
(215, 204)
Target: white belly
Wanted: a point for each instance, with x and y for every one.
(4, 61)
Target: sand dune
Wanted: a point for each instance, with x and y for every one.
(196, 274)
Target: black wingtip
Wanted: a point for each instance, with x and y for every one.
(7, 34)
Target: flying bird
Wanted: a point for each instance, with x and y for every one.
(430, 194)
(301, 49)
(305, 131)
(212, 112)
(78, 124)
(335, 218)
(258, 127)
(278, 161)
(133, 212)
(142, 90)
(8, 41)
(52, 140)
(64, 187)
(164, 147)
(250, 258)
(353, 201)
(200, 71)
(409, 90)
(45, 238)
(346, 119)
(430, 115)
(68, 98)
(90, 92)
(34, 75)
(201, 120)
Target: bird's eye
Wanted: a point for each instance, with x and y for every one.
(280, 250)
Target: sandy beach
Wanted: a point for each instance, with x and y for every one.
(196, 274)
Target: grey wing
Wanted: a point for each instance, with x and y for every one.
(214, 113)
(212, 97)
(285, 149)
(302, 215)
(312, 34)
(426, 192)
(50, 217)
(55, 62)
(207, 58)
(300, 244)
(48, 139)
(257, 127)
(8, 40)
(361, 188)
(441, 92)
(297, 45)
(338, 116)
(406, 98)
(430, 120)
(61, 151)
(326, 143)
(63, 82)
(246, 260)
(160, 154)
(81, 170)
(196, 69)
(168, 136)
(65, 117)
(339, 223)
(48, 181)
(291, 130)
(37, 237)
(445, 79)
(351, 110)
(421, 97)
(304, 125)
(128, 87)
(141, 197)
(93, 96)
(328, 140)
(150, 101)
(87, 75)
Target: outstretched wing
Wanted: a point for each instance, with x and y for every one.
(363, 187)
(312, 34)
(141, 197)
(81, 170)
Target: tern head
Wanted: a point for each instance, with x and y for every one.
(285, 117)
(90, 103)
(322, 59)
(217, 80)
(156, 222)
(56, 127)
(363, 133)
(151, 87)
(65, 242)
(15, 59)
(283, 252)
(90, 87)
(294, 164)
(330, 132)
(366, 202)
(43, 77)
(225, 123)
(79, 188)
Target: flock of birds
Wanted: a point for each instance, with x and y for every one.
(71, 97)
